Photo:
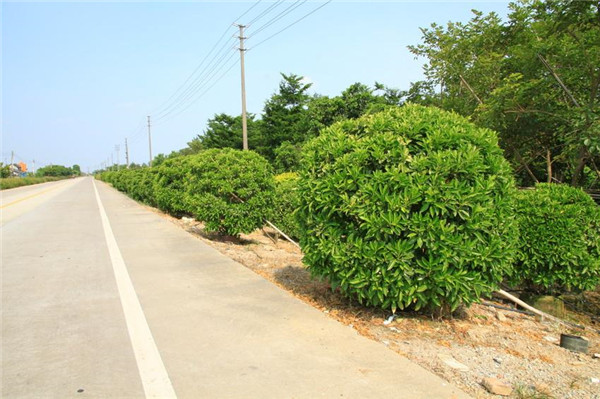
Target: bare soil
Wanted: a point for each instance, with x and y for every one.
(482, 341)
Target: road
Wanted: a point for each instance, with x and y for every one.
(102, 298)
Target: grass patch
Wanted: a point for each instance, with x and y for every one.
(13, 182)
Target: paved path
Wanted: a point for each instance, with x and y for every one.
(104, 299)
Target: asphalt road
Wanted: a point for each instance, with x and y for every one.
(102, 298)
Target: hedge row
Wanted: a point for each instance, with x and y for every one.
(230, 191)
(409, 208)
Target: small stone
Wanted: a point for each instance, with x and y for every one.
(500, 316)
(452, 362)
(496, 386)
(550, 338)
(577, 363)
(543, 389)
(596, 356)
(498, 360)
(594, 380)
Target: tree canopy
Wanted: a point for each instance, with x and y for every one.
(534, 78)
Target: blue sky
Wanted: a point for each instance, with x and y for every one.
(80, 77)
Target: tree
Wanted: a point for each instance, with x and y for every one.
(224, 131)
(4, 170)
(76, 170)
(535, 79)
(285, 115)
(357, 100)
(287, 157)
(54, 170)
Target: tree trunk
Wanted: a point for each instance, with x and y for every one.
(522, 162)
(581, 161)
(549, 165)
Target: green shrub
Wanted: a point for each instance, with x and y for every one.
(142, 186)
(407, 208)
(286, 203)
(559, 249)
(169, 186)
(231, 191)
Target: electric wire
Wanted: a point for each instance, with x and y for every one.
(207, 89)
(265, 12)
(200, 84)
(290, 25)
(162, 106)
(185, 94)
(276, 18)
(208, 74)
(187, 89)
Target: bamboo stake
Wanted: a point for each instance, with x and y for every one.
(537, 311)
(282, 233)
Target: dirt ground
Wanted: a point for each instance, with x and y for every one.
(483, 341)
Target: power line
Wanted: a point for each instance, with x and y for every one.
(199, 85)
(265, 12)
(207, 89)
(194, 72)
(276, 18)
(248, 10)
(290, 25)
(184, 95)
(191, 85)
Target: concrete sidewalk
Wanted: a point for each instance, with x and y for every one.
(225, 332)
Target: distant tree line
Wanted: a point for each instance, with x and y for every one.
(58, 171)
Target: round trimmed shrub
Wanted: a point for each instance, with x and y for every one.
(407, 208)
(169, 185)
(231, 191)
(286, 203)
(559, 248)
(141, 186)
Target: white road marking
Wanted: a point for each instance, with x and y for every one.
(152, 370)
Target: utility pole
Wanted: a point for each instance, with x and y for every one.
(12, 157)
(244, 123)
(117, 148)
(149, 142)
(112, 161)
(33, 171)
(126, 153)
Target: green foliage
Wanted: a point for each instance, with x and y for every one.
(55, 170)
(559, 249)
(4, 170)
(231, 191)
(408, 208)
(286, 203)
(287, 157)
(285, 117)
(503, 76)
(13, 182)
(169, 185)
(137, 183)
(225, 131)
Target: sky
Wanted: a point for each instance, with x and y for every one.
(78, 78)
